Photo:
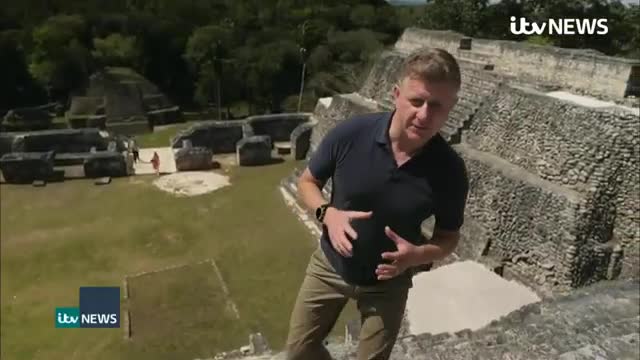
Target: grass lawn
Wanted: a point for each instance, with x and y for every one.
(57, 238)
(161, 137)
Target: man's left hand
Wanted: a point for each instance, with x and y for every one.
(406, 256)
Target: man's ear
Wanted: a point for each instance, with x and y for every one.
(395, 92)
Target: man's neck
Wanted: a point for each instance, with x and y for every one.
(401, 145)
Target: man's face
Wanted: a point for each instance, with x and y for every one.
(422, 108)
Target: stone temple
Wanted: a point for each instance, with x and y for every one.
(550, 138)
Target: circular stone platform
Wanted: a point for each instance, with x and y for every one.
(191, 183)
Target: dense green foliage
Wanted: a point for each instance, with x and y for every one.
(201, 52)
(198, 52)
(479, 18)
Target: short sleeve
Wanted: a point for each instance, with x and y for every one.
(322, 163)
(449, 212)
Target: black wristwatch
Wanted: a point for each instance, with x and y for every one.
(321, 211)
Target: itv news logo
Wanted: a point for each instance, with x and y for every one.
(99, 308)
(519, 26)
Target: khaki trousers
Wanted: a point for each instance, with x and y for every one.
(323, 294)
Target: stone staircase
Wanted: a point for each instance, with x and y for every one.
(596, 322)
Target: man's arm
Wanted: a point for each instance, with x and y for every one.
(441, 245)
(309, 190)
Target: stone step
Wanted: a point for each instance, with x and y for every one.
(282, 147)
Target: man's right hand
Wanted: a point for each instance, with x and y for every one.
(338, 224)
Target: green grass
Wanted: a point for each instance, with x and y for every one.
(161, 137)
(180, 303)
(66, 235)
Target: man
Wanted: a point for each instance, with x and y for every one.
(136, 151)
(389, 171)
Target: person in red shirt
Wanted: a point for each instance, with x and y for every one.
(155, 161)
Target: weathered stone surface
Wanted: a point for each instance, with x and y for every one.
(223, 136)
(165, 116)
(301, 140)
(219, 136)
(105, 164)
(194, 158)
(278, 126)
(566, 68)
(24, 168)
(599, 320)
(255, 150)
(27, 119)
(60, 141)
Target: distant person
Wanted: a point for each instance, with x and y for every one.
(390, 171)
(136, 151)
(155, 161)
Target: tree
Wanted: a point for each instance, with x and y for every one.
(60, 60)
(464, 16)
(116, 50)
(206, 51)
(17, 87)
(353, 46)
(363, 16)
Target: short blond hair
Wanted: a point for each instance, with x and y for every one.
(431, 65)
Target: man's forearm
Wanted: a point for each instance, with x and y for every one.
(310, 194)
(440, 246)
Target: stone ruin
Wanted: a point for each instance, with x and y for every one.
(41, 156)
(123, 102)
(28, 118)
(252, 140)
(189, 158)
(553, 155)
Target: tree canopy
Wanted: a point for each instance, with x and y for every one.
(202, 51)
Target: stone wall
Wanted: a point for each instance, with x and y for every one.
(27, 119)
(156, 102)
(87, 121)
(24, 168)
(222, 136)
(382, 77)
(60, 141)
(276, 126)
(254, 150)
(584, 71)
(219, 136)
(124, 102)
(563, 143)
(341, 107)
(105, 163)
(582, 149)
(127, 100)
(86, 105)
(301, 139)
(520, 220)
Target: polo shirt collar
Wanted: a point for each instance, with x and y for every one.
(382, 136)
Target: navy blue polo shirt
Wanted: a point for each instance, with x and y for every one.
(356, 154)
